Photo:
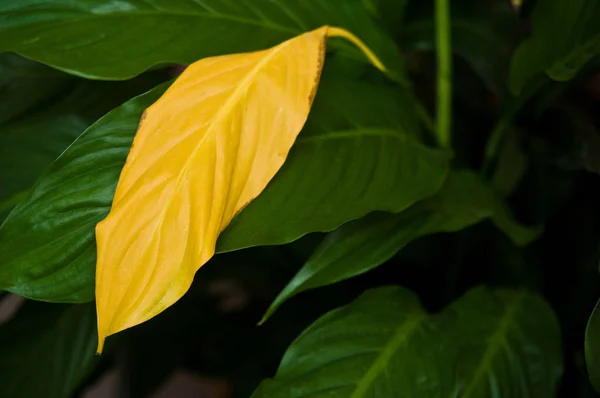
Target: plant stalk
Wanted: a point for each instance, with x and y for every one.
(444, 72)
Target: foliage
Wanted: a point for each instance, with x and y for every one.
(432, 231)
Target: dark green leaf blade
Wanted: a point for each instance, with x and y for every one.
(46, 111)
(382, 333)
(509, 344)
(565, 36)
(357, 182)
(358, 152)
(120, 40)
(364, 244)
(47, 243)
(487, 344)
(389, 13)
(47, 350)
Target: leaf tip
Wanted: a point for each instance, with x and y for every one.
(333, 31)
(101, 339)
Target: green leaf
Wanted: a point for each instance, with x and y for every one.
(361, 245)
(510, 344)
(24, 85)
(47, 350)
(28, 147)
(47, 243)
(592, 348)
(565, 36)
(483, 33)
(389, 13)
(352, 157)
(511, 165)
(487, 344)
(118, 40)
(58, 109)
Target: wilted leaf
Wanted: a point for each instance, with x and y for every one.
(565, 36)
(46, 350)
(488, 343)
(120, 39)
(202, 152)
(361, 245)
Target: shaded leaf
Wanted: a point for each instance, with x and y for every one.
(340, 167)
(483, 33)
(511, 165)
(488, 343)
(47, 350)
(592, 348)
(565, 36)
(509, 344)
(389, 12)
(29, 143)
(120, 40)
(24, 85)
(364, 244)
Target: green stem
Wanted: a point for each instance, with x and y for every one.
(444, 71)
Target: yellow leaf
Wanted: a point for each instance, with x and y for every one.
(202, 152)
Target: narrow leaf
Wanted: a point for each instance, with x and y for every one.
(488, 343)
(364, 244)
(118, 40)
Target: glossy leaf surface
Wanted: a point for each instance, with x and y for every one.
(47, 243)
(44, 111)
(499, 344)
(121, 39)
(364, 244)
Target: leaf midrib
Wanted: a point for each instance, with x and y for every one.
(400, 336)
(496, 341)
